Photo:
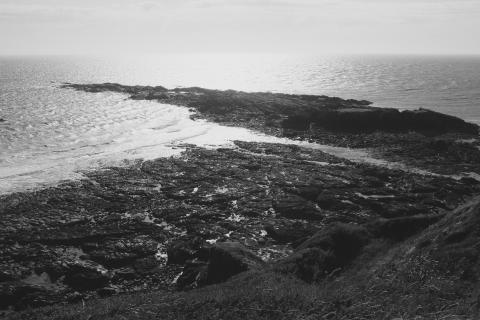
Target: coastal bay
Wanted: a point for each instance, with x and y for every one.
(159, 224)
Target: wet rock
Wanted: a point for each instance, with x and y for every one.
(126, 223)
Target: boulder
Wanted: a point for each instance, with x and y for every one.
(86, 275)
(180, 251)
(328, 250)
(344, 240)
(327, 201)
(228, 259)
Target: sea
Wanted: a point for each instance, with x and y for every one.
(49, 135)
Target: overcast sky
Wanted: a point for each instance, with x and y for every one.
(306, 26)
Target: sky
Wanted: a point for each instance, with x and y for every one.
(240, 26)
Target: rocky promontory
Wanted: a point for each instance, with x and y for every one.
(422, 138)
(307, 113)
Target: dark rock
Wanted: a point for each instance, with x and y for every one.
(300, 122)
(288, 233)
(194, 275)
(127, 273)
(74, 297)
(107, 291)
(146, 265)
(344, 240)
(367, 120)
(309, 264)
(432, 122)
(309, 192)
(326, 251)
(86, 275)
(181, 251)
(17, 293)
(120, 219)
(295, 207)
(228, 259)
(326, 201)
(118, 253)
(4, 276)
(225, 259)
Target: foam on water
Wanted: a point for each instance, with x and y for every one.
(71, 132)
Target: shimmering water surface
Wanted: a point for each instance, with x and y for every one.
(49, 134)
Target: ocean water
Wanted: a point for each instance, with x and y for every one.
(51, 134)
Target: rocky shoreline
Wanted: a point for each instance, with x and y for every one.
(199, 218)
(419, 138)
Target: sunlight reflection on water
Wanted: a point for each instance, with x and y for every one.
(49, 134)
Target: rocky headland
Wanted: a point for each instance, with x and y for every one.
(228, 232)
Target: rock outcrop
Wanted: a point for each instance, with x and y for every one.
(368, 120)
(223, 260)
(328, 250)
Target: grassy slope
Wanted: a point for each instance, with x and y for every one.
(430, 276)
